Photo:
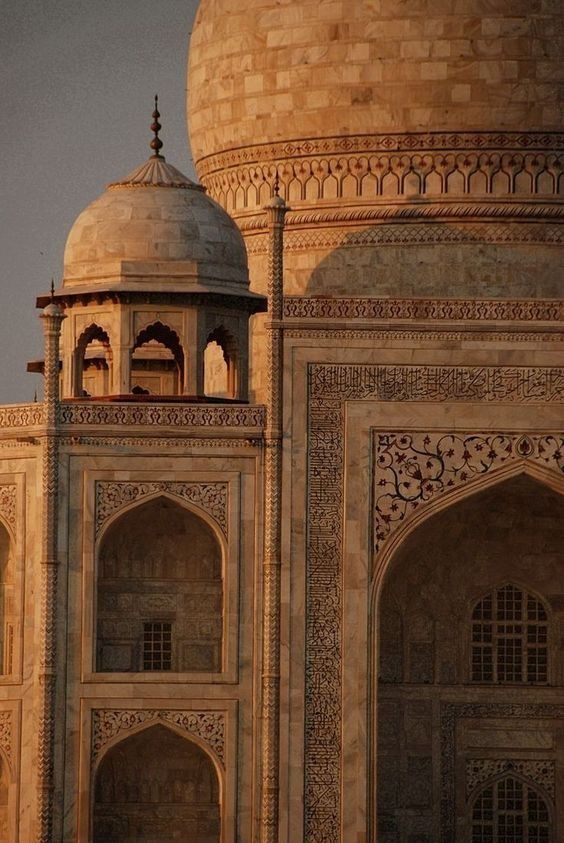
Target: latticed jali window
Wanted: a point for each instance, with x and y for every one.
(509, 811)
(509, 638)
(157, 646)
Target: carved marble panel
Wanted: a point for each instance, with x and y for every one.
(208, 726)
(111, 496)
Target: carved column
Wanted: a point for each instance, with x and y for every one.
(52, 318)
(276, 211)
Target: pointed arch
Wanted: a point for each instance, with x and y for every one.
(510, 806)
(221, 366)
(544, 476)
(99, 362)
(157, 360)
(162, 784)
(160, 590)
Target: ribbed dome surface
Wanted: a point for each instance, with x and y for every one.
(155, 223)
(263, 71)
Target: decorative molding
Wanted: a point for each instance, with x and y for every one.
(480, 770)
(316, 236)
(113, 495)
(422, 175)
(512, 310)
(411, 469)
(148, 442)
(208, 726)
(162, 415)
(22, 415)
(367, 143)
(7, 735)
(451, 713)
(8, 502)
(406, 333)
(329, 387)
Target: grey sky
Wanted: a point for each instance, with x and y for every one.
(78, 80)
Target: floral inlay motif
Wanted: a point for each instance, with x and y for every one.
(413, 468)
(209, 726)
(113, 495)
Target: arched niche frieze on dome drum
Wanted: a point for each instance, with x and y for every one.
(470, 174)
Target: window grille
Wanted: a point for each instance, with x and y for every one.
(157, 646)
(509, 638)
(509, 811)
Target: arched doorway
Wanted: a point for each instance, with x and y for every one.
(159, 592)
(469, 659)
(157, 362)
(156, 787)
(92, 363)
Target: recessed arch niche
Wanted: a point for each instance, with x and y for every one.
(506, 537)
(7, 602)
(159, 591)
(156, 785)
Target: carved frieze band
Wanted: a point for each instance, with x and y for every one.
(451, 713)
(473, 175)
(330, 386)
(7, 734)
(481, 770)
(411, 469)
(523, 142)
(8, 501)
(154, 415)
(22, 415)
(316, 236)
(208, 726)
(113, 495)
(513, 310)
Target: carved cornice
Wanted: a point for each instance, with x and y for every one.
(156, 416)
(208, 726)
(112, 495)
(412, 469)
(163, 442)
(365, 144)
(513, 310)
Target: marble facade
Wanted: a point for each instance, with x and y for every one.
(315, 554)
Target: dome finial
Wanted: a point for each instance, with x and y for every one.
(156, 144)
(52, 290)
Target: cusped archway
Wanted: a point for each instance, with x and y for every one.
(156, 787)
(159, 591)
(467, 618)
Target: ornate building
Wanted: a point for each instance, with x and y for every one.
(281, 549)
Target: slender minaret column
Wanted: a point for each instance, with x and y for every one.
(52, 317)
(276, 211)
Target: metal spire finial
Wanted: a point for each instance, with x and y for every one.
(156, 144)
(277, 184)
(52, 290)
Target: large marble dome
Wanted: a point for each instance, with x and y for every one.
(262, 71)
(388, 125)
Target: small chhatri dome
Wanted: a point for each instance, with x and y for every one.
(155, 227)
